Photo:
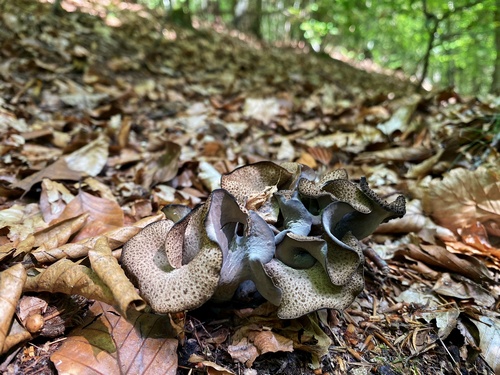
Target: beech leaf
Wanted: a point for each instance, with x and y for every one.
(107, 343)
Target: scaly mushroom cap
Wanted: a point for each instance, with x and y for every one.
(253, 179)
(168, 288)
(310, 289)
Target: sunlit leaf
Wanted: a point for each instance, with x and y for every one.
(109, 344)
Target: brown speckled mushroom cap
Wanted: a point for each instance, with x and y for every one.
(310, 289)
(167, 288)
(253, 179)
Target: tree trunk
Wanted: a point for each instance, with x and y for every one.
(428, 51)
(495, 83)
(248, 16)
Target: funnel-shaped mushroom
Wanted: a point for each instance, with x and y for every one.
(246, 241)
(309, 289)
(313, 262)
(296, 218)
(173, 288)
(362, 212)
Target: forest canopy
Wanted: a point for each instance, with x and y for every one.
(437, 43)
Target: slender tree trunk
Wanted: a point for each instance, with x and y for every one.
(495, 83)
(255, 27)
(248, 16)
(430, 45)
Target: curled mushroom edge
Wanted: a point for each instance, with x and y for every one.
(296, 237)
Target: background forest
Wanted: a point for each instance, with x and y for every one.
(445, 43)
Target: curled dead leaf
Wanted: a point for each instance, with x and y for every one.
(107, 268)
(11, 286)
(67, 277)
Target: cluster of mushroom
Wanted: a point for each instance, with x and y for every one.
(294, 237)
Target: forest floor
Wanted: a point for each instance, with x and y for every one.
(107, 118)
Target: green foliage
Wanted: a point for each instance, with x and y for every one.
(394, 34)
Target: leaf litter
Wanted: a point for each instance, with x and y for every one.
(155, 115)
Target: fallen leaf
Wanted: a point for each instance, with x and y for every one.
(107, 343)
(21, 221)
(68, 277)
(116, 237)
(59, 170)
(86, 161)
(400, 119)
(463, 288)
(399, 154)
(103, 214)
(268, 341)
(261, 109)
(431, 308)
(438, 256)
(59, 233)
(212, 368)
(489, 331)
(109, 271)
(53, 199)
(11, 287)
(465, 197)
(90, 159)
(244, 352)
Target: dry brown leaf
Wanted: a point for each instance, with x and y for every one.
(58, 234)
(400, 120)
(462, 248)
(489, 331)
(103, 214)
(53, 199)
(17, 335)
(17, 248)
(116, 237)
(438, 256)
(108, 344)
(244, 352)
(261, 109)
(321, 154)
(162, 167)
(7, 250)
(465, 197)
(59, 170)
(308, 336)
(110, 272)
(99, 209)
(21, 221)
(431, 308)
(211, 368)
(476, 236)
(463, 289)
(422, 169)
(91, 158)
(413, 221)
(268, 341)
(68, 277)
(86, 161)
(395, 154)
(101, 188)
(307, 159)
(11, 287)
(24, 246)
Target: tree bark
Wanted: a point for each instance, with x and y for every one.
(248, 16)
(495, 83)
